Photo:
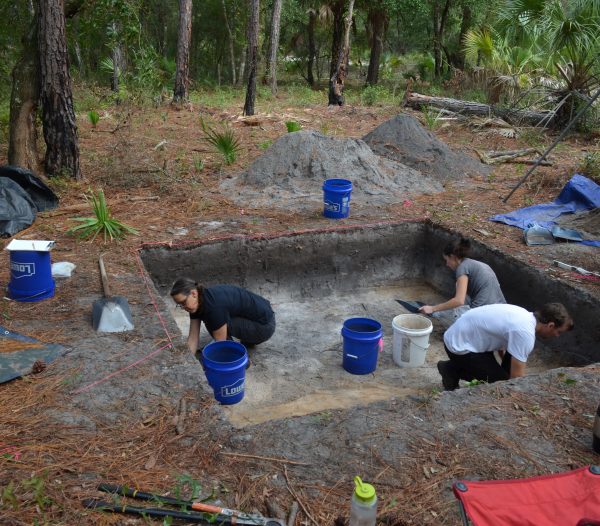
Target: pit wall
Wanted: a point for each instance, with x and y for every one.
(297, 266)
(314, 264)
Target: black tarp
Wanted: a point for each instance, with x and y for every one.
(22, 196)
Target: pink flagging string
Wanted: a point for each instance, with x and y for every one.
(380, 344)
(273, 235)
(10, 450)
(151, 295)
(111, 375)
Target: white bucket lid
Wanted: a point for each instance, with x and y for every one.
(36, 245)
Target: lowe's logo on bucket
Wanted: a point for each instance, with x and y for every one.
(234, 389)
(330, 206)
(24, 269)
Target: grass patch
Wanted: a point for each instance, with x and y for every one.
(431, 117)
(379, 94)
(303, 95)
(293, 126)
(94, 117)
(221, 97)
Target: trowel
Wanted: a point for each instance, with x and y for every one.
(411, 306)
(110, 313)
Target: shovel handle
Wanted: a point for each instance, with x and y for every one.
(103, 277)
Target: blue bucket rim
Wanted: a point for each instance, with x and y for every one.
(365, 321)
(220, 366)
(337, 184)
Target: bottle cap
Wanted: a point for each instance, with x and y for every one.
(363, 491)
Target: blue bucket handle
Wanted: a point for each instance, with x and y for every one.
(358, 357)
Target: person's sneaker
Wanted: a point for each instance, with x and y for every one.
(449, 376)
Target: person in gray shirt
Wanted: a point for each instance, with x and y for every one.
(476, 282)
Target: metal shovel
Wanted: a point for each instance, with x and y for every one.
(110, 313)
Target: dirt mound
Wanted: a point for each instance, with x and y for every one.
(295, 166)
(404, 140)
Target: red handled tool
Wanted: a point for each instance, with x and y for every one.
(224, 515)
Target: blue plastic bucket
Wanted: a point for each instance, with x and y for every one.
(336, 198)
(30, 275)
(362, 342)
(224, 365)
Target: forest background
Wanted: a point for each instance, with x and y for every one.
(539, 54)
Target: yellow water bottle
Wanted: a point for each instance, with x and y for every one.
(363, 508)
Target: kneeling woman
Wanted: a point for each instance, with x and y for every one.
(476, 282)
(227, 312)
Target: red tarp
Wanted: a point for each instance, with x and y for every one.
(562, 499)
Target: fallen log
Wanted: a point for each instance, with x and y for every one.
(495, 157)
(517, 117)
(529, 161)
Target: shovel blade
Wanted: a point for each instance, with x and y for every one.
(112, 315)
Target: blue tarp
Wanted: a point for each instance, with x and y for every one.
(580, 194)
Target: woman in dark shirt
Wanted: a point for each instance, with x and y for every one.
(227, 312)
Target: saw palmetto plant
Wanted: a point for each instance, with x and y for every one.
(101, 223)
(225, 142)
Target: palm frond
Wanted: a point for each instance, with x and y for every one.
(478, 44)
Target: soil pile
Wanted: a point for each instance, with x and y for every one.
(295, 166)
(404, 140)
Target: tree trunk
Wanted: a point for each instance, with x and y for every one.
(336, 82)
(274, 44)
(312, 23)
(25, 94)
(253, 29)
(77, 49)
(465, 25)
(58, 116)
(439, 23)
(378, 21)
(24, 98)
(337, 9)
(182, 72)
(242, 70)
(516, 117)
(117, 58)
(231, 48)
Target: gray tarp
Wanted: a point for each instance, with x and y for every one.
(22, 196)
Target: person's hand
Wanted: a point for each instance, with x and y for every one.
(426, 309)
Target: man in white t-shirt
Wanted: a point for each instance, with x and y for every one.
(471, 341)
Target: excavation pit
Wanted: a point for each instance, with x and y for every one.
(316, 280)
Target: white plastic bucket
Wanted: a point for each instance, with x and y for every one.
(411, 339)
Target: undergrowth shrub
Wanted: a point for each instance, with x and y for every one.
(590, 166)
